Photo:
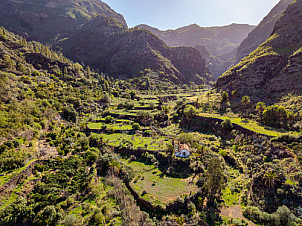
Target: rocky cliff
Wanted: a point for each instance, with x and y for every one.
(274, 68)
(108, 45)
(262, 32)
(47, 20)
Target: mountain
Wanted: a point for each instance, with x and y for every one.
(262, 32)
(274, 68)
(218, 42)
(49, 20)
(89, 31)
(108, 45)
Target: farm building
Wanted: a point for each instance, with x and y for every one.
(183, 151)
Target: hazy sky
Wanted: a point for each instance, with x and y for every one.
(165, 14)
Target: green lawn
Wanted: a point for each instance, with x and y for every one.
(160, 189)
(249, 124)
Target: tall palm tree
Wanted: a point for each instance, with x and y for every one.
(245, 101)
(270, 179)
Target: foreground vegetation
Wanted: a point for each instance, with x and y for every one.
(106, 157)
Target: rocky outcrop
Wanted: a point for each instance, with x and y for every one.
(274, 68)
(262, 32)
(48, 20)
(108, 45)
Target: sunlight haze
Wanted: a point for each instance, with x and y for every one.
(171, 14)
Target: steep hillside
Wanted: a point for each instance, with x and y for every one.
(275, 66)
(217, 40)
(262, 32)
(46, 20)
(110, 46)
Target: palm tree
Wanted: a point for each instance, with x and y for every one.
(270, 179)
(114, 167)
(208, 96)
(260, 107)
(245, 101)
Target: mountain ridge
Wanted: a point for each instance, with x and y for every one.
(262, 32)
(274, 68)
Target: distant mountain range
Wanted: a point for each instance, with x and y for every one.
(274, 68)
(214, 43)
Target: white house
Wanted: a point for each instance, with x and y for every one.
(183, 151)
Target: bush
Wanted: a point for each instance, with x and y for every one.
(135, 126)
(70, 114)
(109, 119)
(227, 124)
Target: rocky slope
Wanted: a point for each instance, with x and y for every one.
(46, 20)
(218, 42)
(274, 68)
(108, 45)
(262, 32)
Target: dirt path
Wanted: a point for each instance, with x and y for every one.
(236, 210)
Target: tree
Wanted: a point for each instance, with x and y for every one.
(283, 216)
(47, 216)
(214, 179)
(96, 140)
(260, 107)
(227, 124)
(270, 179)
(189, 111)
(7, 62)
(282, 114)
(235, 94)
(70, 114)
(224, 97)
(274, 115)
(106, 99)
(208, 96)
(132, 94)
(152, 105)
(135, 126)
(245, 101)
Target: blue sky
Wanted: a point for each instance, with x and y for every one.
(171, 14)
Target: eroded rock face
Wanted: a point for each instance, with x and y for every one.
(274, 68)
(262, 32)
(106, 44)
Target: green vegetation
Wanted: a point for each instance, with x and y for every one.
(98, 139)
(157, 187)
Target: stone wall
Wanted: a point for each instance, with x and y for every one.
(17, 179)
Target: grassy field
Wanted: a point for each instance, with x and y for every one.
(160, 188)
(159, 143)
(249, 124)
(99, 125)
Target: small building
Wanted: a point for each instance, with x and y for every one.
(183, 151)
